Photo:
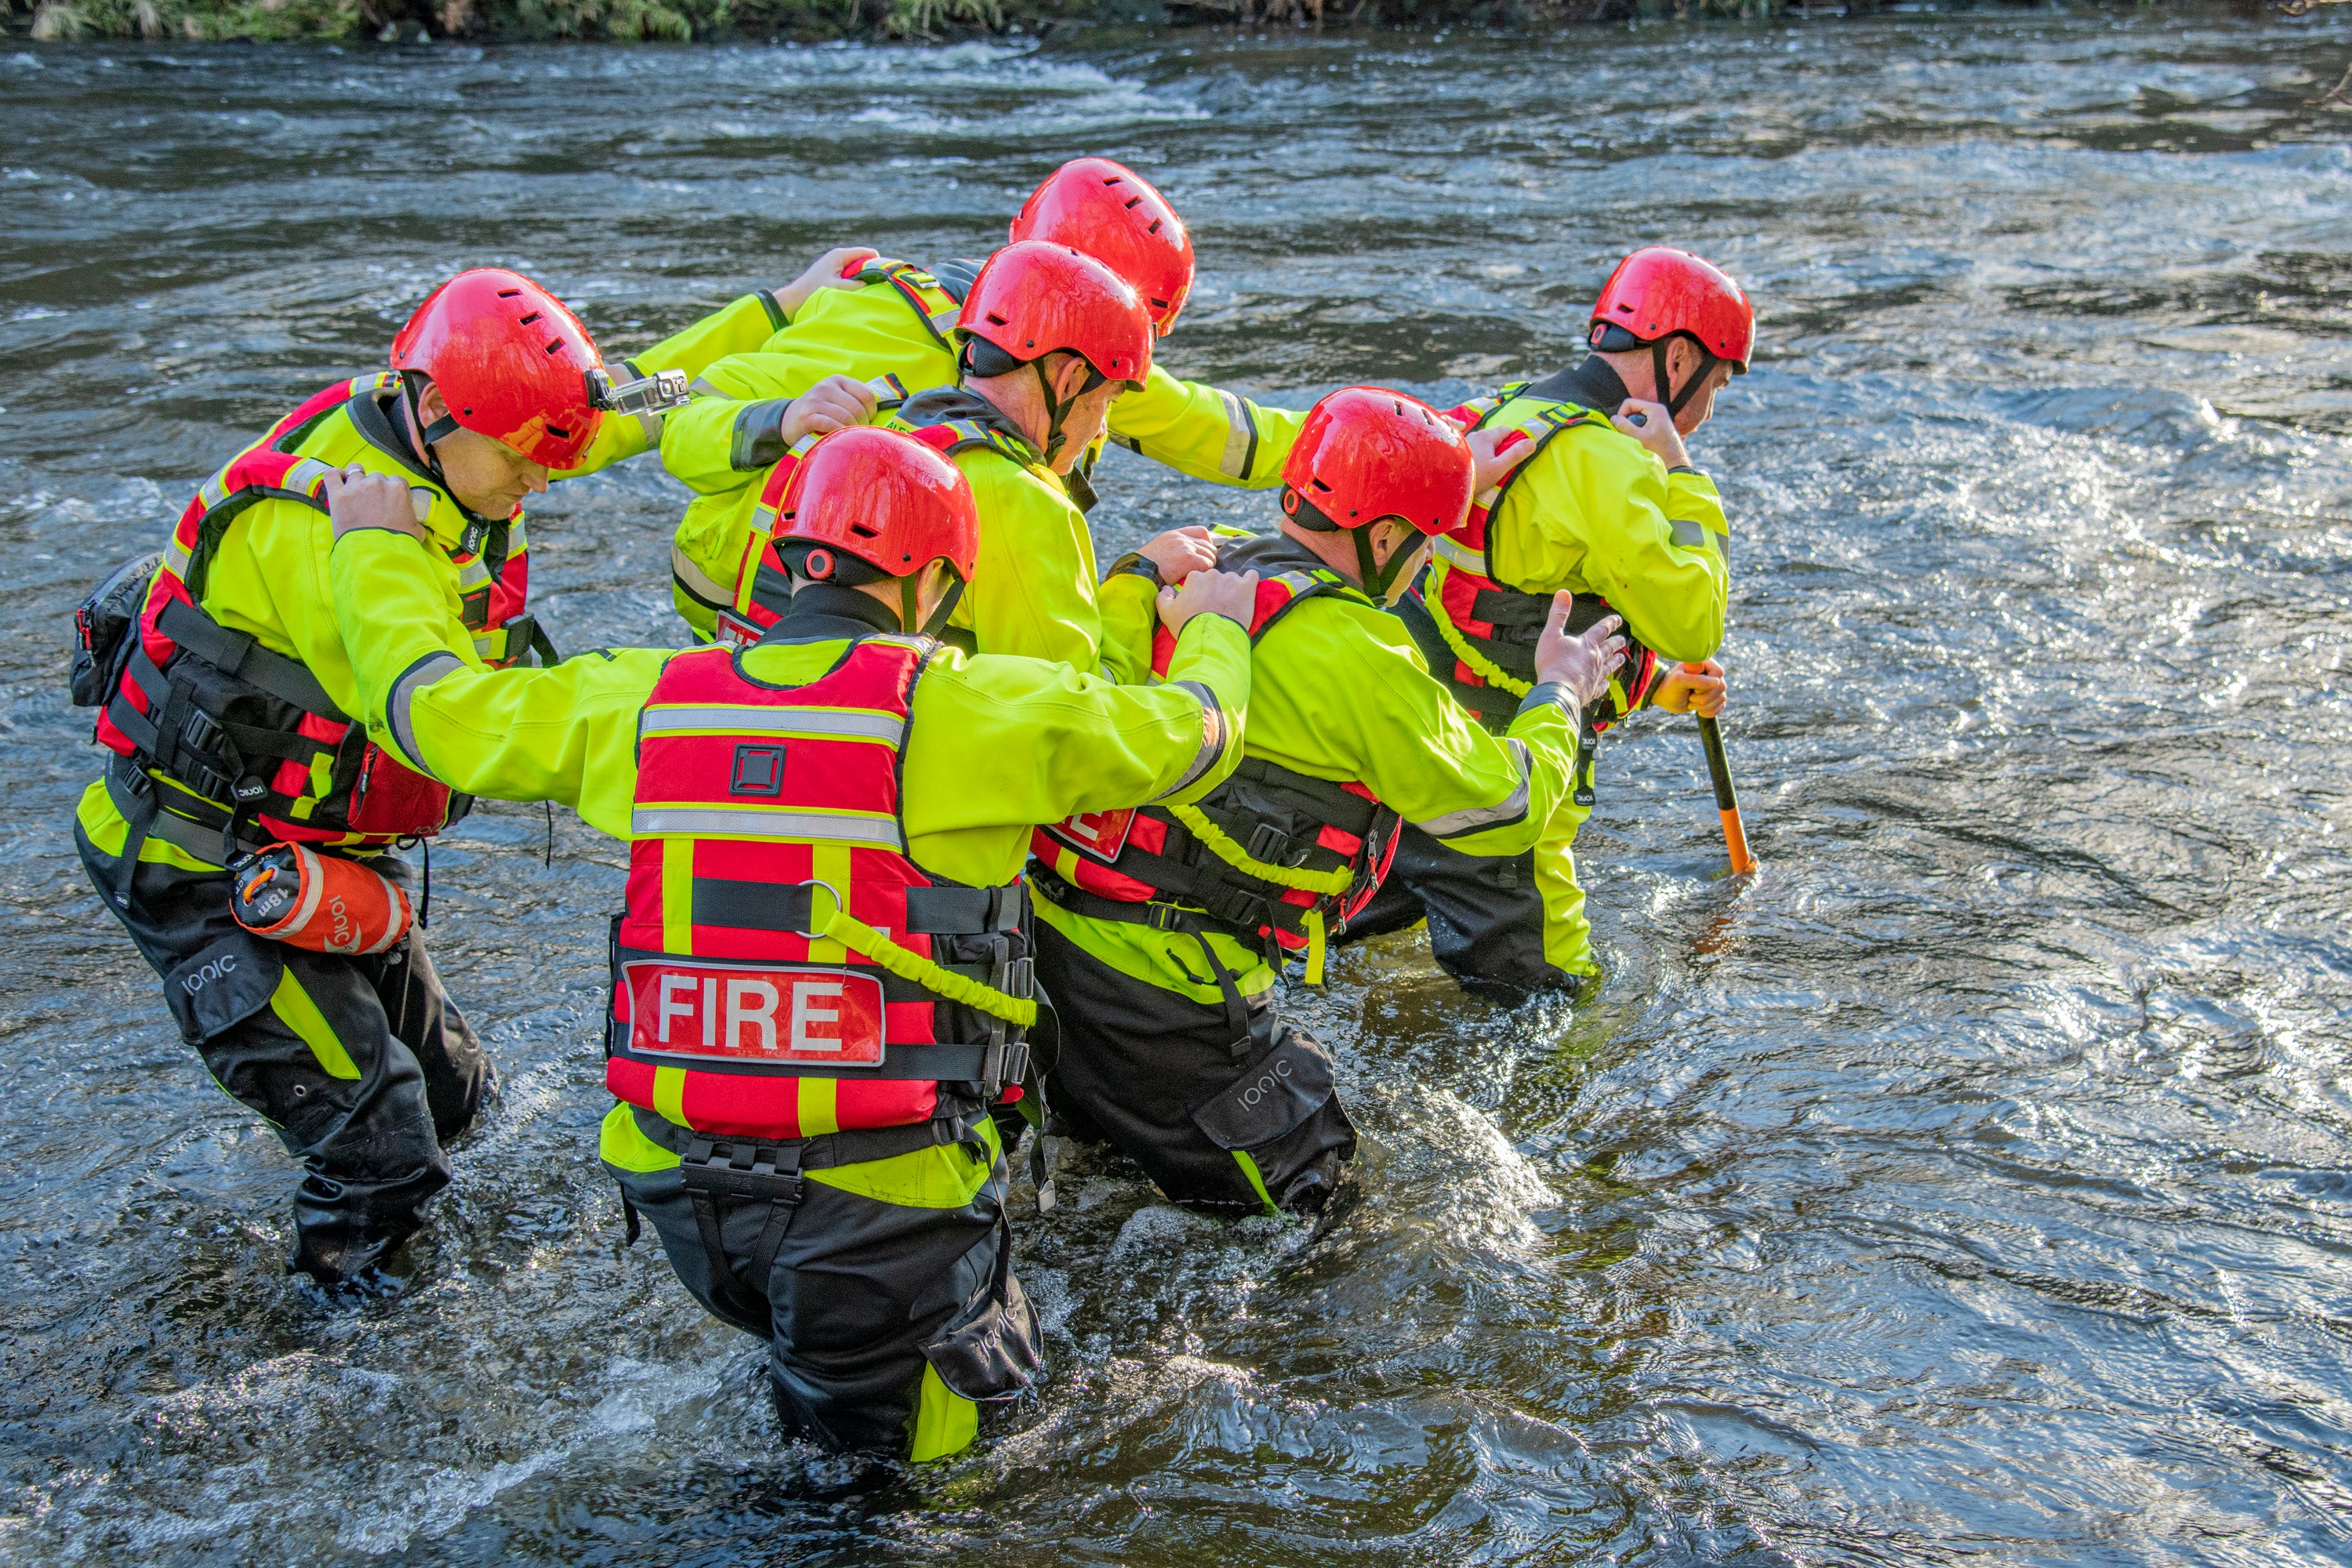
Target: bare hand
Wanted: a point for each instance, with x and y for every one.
(357, 499)
(1692, 689)
(833, 404)
(826, 273)
(1582, 665)
(1487, 470)
(1180, 551)
(1209, 594)
(1656, 430)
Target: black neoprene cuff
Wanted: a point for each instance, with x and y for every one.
(1134, 562)
(1550, 691)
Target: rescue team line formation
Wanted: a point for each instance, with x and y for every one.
(945, 834)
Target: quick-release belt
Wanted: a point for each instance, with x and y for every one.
(135, 795)
(930, 911)
(764, 1157)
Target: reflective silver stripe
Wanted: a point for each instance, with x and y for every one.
(1240, 436)
(764, 822)
(1213, 735)
(1455, 824)
(753, 719)
(1453, 552)
(413, 679)
(474, 573)
(944, 321)
(176, 557)
(695, 581)
(306, 473)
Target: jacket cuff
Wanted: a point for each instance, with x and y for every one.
(1133, 563)
(1553, 693)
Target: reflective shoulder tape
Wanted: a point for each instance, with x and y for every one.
(714, 821)
(1688, 535)
(757, 719)
(412, 681)
(1214, 734)
(1477, 819)
(1241, 438)
(306, 474)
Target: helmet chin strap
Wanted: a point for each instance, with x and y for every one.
(441, 429)
(1666, 394)
(1056, 408)
(1378, 579)
(910, 613)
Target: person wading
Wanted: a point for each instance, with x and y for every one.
(821, 977)
(226, 692)
(1160, 928)
(1604, 505)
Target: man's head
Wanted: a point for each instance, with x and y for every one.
(1114, 215)
(1051, 336)
(496, 374)
(878, 511)
(1675, 329)
(1383, 470)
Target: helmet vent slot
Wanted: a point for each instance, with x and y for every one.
(508, 293)
(555, 347)
(530, 319)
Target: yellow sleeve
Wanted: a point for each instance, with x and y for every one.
(1130, 607)
(1033, 589)
(1204, 431)
(737, 328)
(999, 743)
(567, 734)
(1597, 510)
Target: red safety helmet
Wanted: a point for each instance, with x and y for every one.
(1365, 453)
(510, 360)
(1657, 293)
(1033, 299)
(1114, 215)
(882, 497)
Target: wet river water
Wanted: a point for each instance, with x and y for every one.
(1973, 1186)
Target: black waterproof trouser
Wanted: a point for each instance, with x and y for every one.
(1485, 916)
(363, 1065)
(1230, 1110)
(885, 1321)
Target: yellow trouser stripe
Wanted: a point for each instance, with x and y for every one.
(298, 1013)
(677, 895)
(945, 1422)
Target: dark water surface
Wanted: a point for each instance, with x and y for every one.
(1974, 1187)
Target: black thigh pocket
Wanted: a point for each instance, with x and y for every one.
(995, 1347)
(1279, 1090)
(222, 985)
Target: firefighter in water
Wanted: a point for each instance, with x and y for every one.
(1605, 505)
(227, 703)
(1048, 339)
(858, 319)
(1161, 930)
(821, 975)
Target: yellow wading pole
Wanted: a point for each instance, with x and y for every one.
(1727, 799)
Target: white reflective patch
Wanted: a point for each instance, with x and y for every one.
(1688, 535)
(1239, 435)
(751, 719)
(765, 822)
(1455, 823)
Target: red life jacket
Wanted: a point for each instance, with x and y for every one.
(759, 809)
(1271, 855)
(1470, 614)
(250, 732)
(764, 588)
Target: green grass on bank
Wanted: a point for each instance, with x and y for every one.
(809, 20)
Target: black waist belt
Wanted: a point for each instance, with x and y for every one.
(821, 1152)
(785, 907)
(136, 794)
(1157, 913)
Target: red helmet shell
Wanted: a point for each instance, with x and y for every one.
(1114, 215)
(1366, 453)
(887, 499)
(1033, 298)
(511, 362)
(1658, 292)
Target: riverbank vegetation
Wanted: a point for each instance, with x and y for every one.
(390, 21)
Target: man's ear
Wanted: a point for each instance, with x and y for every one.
(431, 404)
(1071, 376)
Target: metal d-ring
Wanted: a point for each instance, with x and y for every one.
(812, 884)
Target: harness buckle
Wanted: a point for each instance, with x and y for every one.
(744, 1168)
(655, 393)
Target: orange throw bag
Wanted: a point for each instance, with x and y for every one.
(293, 894)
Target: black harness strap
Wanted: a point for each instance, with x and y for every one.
(1161, 917)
